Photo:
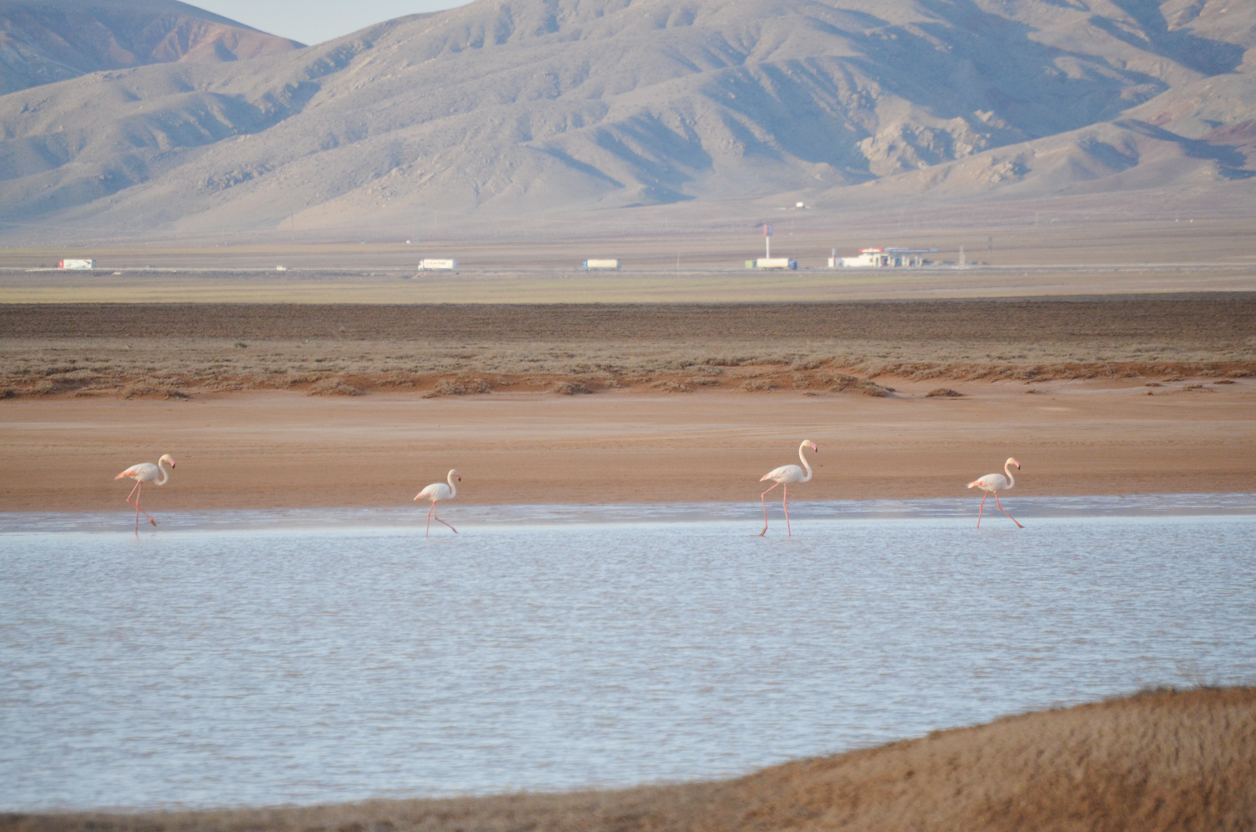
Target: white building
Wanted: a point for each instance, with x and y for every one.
(77, 264)
(600, 264)
(437, 265)
(881, 258)
(772, 263)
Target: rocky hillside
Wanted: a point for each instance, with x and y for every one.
(43, 41)
(506, 108)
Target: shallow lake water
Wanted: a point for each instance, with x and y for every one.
(313, 657)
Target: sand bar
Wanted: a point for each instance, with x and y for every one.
(286, 449)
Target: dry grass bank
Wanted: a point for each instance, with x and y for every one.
(1162, 761)
(182, 349)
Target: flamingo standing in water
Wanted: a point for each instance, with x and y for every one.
(439, 491)
(784, 476)
(993, 484)
(142, 473)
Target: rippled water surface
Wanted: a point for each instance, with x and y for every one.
(235, 659)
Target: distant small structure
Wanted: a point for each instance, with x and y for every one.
(590, 265)
(767, 261)
(773, 263)
(77, 264)
(437, 265)
(881, 258)
(281, 268)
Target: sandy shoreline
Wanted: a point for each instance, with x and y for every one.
(288, 450)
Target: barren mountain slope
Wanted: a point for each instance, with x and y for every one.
(510, 106)
(42, 41)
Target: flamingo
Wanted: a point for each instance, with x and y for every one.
(784, 476)
(993, 484)
(439, 491)
(142, 473)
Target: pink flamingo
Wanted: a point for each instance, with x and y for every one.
(784, 476)
(439, 491)
(993, 484)
(142, 473)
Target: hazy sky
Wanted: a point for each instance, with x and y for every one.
(314, 21)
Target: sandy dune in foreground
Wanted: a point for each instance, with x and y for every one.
(286, 449)
(1153, 762)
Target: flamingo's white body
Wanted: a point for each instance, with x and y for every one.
(142, 473)
(439, 491)
(993, 484)
(784, 476)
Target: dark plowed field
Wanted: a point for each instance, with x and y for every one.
(1191, 319)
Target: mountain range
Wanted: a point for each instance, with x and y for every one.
(509, 108)
(52, 40)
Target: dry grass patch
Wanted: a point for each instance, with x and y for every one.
(842, 383)
(333, 387)
(571, 388)
(460, 386)
(152, 389)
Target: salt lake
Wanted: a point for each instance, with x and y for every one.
(259, 658)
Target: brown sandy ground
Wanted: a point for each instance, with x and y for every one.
(1160, 761)
(179, 350)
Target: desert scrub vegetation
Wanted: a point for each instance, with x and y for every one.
(333, 387)
(456, 350)
(459, 386)
(34, 369)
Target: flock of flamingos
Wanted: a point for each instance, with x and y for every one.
(437, 491)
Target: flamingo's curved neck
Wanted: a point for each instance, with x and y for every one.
(805, 466)
(453, 489)
(165, 475)
(1007, 469)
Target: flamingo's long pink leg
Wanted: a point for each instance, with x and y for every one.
(137, 507)
(785, 502)
(138, 487)
(763, 502)
(1002, 509)
(438, 520)
(980, 507)
(429, 519)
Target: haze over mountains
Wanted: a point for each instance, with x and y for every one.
(505, 108)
